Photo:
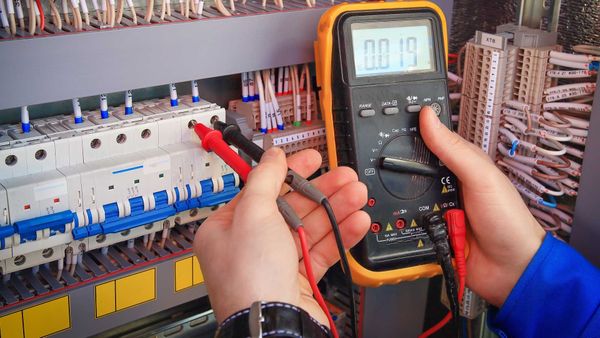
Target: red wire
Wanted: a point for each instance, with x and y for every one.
(312, 281)
(42, 19)
(437, 326)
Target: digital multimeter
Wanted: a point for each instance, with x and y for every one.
(378, 63)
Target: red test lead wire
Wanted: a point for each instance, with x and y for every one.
(457, 229)
(312, 281)
(212, 140)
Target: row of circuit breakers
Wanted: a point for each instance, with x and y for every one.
(67, 187)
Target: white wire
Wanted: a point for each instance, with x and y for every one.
(581, 107)
(569, 74)
(455, 78)
(569, 64)
(573, 57)
(261, 101)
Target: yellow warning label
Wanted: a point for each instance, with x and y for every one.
(389, 227)
(38, 321)
(198, 277)
(47, 318)
(436, 207)
(12, 325)
(444, 190)
(187, 273)
(135, 289)
(125, 292)
(105, 299)
(413, 224)
(183, 274)
(420, 244)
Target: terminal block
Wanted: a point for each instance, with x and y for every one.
(500, 68)
(251, 109)
(487, 83)
(294, 139)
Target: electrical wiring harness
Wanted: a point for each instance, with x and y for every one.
(69, 16)
(528, 107)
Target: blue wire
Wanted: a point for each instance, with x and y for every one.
(513, 148)
(551, 203)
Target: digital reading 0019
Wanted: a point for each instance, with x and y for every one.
(393, 47)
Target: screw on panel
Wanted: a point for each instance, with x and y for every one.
(40, 154)
(47, 253)
(146, 133)
(20, 260)
(10, 160)
(121, 138)
(95, 144)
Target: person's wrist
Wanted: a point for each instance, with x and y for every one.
(272, 319)
(514, 269)
(225, 304)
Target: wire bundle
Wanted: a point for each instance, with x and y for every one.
(542, 152)
(270, 86)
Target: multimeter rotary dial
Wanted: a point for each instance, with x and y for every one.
(406, 167)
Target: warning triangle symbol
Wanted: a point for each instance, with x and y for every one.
(444, 190)
(436, 208)
(413, 224)
(388, 227)
(420, 244)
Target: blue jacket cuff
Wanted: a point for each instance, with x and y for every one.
(558, 295)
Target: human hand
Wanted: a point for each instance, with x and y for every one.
(504, 234)
(248, 253)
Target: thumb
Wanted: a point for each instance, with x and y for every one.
(266, 179)
(461, 157)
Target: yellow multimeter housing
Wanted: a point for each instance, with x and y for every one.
(377, 64)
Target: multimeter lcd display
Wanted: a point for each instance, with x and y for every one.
(393, 47)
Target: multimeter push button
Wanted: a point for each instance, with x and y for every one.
(391, 110)
(367, 113)
(413, 108)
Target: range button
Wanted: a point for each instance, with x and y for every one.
(366, 112)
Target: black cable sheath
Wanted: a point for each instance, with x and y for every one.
(438, 233)
(344, 262)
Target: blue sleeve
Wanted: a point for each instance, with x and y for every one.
(558, 295)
